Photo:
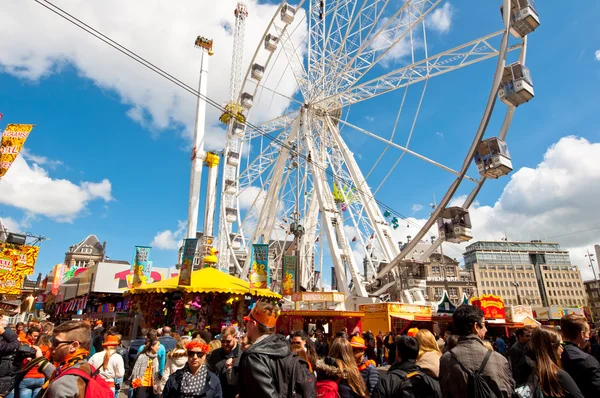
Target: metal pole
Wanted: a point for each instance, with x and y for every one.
(515, 283)
(589, 256)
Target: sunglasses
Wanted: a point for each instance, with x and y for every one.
(195, 354)
(56, 342)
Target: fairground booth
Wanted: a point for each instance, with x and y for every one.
(210, 300)
(396, 317)
(314, 312)
(552, 315)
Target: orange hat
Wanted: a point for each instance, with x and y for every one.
(263, 316)
(358, 342)
(111, 341)
(412, 332)
(98, 323)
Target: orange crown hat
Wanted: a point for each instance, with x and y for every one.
(358, 342)
(264, 316)
(197, 344)
(412, 332)
(111, 341)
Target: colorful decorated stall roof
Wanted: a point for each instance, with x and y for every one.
(319, 297)
(445, 306)
(206, 280)
(397, 309)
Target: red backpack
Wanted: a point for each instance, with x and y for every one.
(327, 389)
(96, 386)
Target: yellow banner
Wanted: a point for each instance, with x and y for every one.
(12, 141)
(16, 261)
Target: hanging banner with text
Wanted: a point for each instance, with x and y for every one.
(260, 274)
(140, 267)
(16, 262)
(59, 272)
(13, 138)
(187, 261)
(289, 275)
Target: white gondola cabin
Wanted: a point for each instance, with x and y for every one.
(516, 87)
(524, 18)
(230, 187)
(247, 100)
(454, 225)
(258, 72)
(492, 158)
(238, 129)
(233, 159)
(231, 214)
(236, 241)
(287, 13)
(271, 42)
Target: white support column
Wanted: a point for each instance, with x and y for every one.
(198, 149)
(307, 242)
(383, 231)
(339, 246)
(212, 162)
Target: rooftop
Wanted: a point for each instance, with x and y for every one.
(90, 245)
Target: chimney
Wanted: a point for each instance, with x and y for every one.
(103, 250)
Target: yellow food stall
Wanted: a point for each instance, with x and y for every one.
(395, 317)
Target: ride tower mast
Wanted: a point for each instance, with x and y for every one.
(236, 127)
(198, 156)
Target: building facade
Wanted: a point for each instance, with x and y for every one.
(592, 289)
(86, 253)
(535, 273)
(433, 274)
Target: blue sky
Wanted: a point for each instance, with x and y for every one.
(101, 117)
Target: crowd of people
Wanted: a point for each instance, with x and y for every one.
(73, 359)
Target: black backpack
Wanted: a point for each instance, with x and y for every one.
(293, 377)
(416, 385)
(477, 387)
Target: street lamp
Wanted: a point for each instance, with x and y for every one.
(590, 257)
(515, 283)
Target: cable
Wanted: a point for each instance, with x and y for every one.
(117, 46)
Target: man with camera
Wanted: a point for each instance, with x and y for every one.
(9, 343)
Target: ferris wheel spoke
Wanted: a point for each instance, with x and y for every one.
(388, 33)
(294, 61)
(272, 125)
(344, 42)
(406, 150)
(467, 54)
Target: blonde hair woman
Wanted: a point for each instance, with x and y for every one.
(108, 362)
(176, 360)
(352, 385)
(429, 353)
(213, 345)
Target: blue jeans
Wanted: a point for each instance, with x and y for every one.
(119, 381)
(29, 388)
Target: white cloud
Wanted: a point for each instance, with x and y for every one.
(441, 18)
(249, 195)
(597, 55)
(169, 239)
(40, 160)
(11, 224)
(556, 201)
(140, 26)
(369, 118)
(439, 134)
(416, 207)
(29, 187)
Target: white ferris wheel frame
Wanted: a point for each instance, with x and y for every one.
(361, 38)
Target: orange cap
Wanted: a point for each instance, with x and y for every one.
(412, 332)
(111, 341)
(358, 342)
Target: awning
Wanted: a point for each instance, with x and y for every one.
(206, 280)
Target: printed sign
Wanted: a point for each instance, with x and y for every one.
(260, 274)
(187, 262)
(289, 275)
(59, 270)
(140, 269)
(13, 138)
(492, 306)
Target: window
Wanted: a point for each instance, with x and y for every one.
(438, 291)
(435, 269)
(453, 291)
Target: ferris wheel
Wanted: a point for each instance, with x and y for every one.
(306, 187)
